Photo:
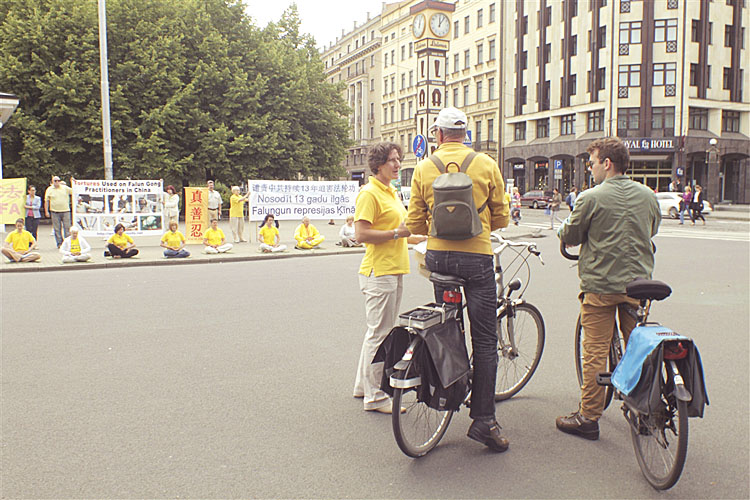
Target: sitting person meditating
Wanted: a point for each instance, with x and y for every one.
(307, 235)
(347, 235)
(19, 245)
(120, 245)
(268, 235)
(215, 240)
(173, 242)
(75, 248)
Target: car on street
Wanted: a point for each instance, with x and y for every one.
(669, 204)
(536, 198)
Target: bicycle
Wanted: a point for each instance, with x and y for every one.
(418, 428)
(659, 432)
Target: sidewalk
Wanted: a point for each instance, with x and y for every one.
(151, 254)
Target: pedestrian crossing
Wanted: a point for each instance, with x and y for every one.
(697, 232)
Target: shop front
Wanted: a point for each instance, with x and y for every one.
(651, 161)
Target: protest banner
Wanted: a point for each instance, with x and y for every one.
(196, 214)
(292, 200)
(99, 205)
(12, 200)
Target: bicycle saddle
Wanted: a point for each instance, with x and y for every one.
(648, 289)
(446, 280)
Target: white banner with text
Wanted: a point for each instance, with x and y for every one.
(292, 200)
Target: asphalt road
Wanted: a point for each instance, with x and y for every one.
(234, 380)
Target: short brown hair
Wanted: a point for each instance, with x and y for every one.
(379, 154)
(612, 148)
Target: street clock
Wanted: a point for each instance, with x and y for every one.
(440, 24)
(418, 26)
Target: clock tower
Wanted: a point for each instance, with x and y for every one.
(431, 28)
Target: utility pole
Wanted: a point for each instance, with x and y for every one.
(106, 133)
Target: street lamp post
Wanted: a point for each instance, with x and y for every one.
(106, 134)
(713, 179)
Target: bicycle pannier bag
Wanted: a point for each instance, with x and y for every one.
(454, 213)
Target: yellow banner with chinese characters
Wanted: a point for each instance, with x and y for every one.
(196, 214)
(12, 200)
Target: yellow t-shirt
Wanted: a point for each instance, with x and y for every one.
(20, 241)
(173, 239)
(75, 246)
(269, 234)
(380, 206)
(120, 241)
(59, 198)
(213, 236)
(235, 205)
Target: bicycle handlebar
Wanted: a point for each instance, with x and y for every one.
(531, 247)
(565, 253)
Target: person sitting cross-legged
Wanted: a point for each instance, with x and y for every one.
(268, 235)
(173, 242)
(120, 245)
(75, 248)
(215, 240)
(19, 245)
(307, 235)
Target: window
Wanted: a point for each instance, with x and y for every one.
(403, 81)
(628, 119)
(630, 75)
(547, 52)
(479, 91)
(662, 118)
(695, 31)
(568, 125)
(573, 84)
(519, 131)
(393, 56)
(730, 121)
(491, 45)
(728, 35)
(480, 18)
(403, 111)
(727, 80)
(698, 118)
(411, 78)
(525, 25)
(595, 121)
(411, 112)
(694, 75)
(665, 74)
(455, 63)
(665, 30)
(393, 84)
(372, 84)
(478, 131)
(542, 128)
(411, 49)
(372, 61)
(467, 58)
(409, 142)
(573, 45)
(455, 29)
(522, 95)
(466, 95)
(602, 41)
(385, 85)
(601, 78)
(480, 53)
(403, 52)
(492, 13)
(372, 110)
(393, 113)
(630, 32)
(385, 114)
(547, 16)
(490, 129)
(385, 59)
(467, 24)
(455, 98)
(710, 33)
(491, 88)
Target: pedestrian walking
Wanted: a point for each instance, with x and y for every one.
(685, 199)
(697, 206)
(554, 207)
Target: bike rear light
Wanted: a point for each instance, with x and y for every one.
(674, 350)
(451, 297)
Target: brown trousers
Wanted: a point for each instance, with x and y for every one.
(598, 321)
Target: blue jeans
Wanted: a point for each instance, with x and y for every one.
(481, 299)
(178, 254)
(61, 226)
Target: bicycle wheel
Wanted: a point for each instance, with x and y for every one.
(419, 428)
(660, 440)
(615, 353)
(516, 366)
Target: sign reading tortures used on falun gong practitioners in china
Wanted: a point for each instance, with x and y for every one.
(99, 205)
(292, 200)
(12, 200)
(196, 214)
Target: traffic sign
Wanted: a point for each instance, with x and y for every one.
(419, 145)
(558, 169)
(467, 139)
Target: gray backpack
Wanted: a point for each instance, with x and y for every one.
(454, 214)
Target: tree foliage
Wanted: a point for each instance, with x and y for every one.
(196, 92)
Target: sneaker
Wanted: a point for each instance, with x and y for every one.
(107, 254)
(579, 425)
(487, 432)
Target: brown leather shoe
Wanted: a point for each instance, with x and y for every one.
(578, 425)
(488, 433)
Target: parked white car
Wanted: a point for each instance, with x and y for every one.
(669, 203)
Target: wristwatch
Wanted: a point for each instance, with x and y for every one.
(395, 234)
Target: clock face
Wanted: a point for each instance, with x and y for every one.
(440, 24)
(418, 26)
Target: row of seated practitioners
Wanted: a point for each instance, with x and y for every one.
(20, 246)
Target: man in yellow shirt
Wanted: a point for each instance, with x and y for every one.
(307, 235)
(215, 240)
(470, 259)
(19, 244)
(57, 203)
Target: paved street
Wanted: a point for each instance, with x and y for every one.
(234, 380)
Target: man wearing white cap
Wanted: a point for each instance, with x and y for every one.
(469, 258)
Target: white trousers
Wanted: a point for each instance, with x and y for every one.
(268, 248)
(237, 224)
(222, 248)
(68, 258)
(382, 302)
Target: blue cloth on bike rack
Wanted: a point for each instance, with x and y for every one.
(638, 376)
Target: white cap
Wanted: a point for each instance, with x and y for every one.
(450, 118)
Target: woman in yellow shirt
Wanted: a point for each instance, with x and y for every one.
(173, 243)
(268, 235)
(379, 224)
(120, 245)
(236, 215)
